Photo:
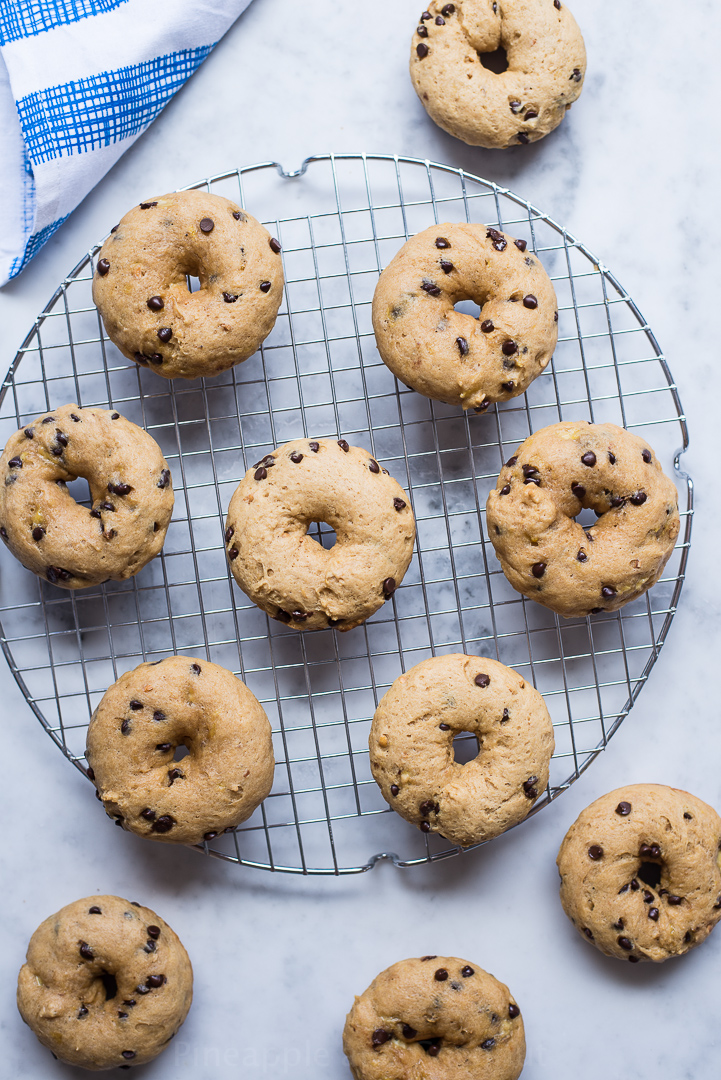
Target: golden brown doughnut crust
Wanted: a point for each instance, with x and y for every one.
(141, 291)
(641, 872)
(546, 554)
(93, 948)
(446, 354)
(411, 747)
(436, 1018)
(130, 487)
(546, 67)
(138, 725)
(283, 570)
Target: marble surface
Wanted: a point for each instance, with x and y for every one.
(633, 173)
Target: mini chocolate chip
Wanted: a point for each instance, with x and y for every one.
(175, 774)
(425, 826)
(153, 932)
(314, 446)
(576, 75)
(530, 116)
(481, 408)
(522, 137)
(448, 9)
(487, 326)
(511, 462)
(399, 504)
(163, 824)
(625, 943)
(230, 298)
(125, 727)
(163, 747)
(497, 239)
(509, 348)
(619, 925)
(588, 933)
(530, 301)
(582, 556)
(136, 705)
(142, 989)
(260, 474)
(424, 958)
(156, 358)
(521, 244)
(373, 466)
(155, 981)
(389, 587)
(432, 1048)
(394, 790)
(265, 286)
(147, 205)
(462, 346)
(156, 303)
(689, 817)
(207, 225)
(120, 489)
(617, 500)
(646, 455)
(529, 787)
(557, 4)
(122, 1015)
(639, 498)
(515, 106)
(422, 31)
(408, 1031)
(343, 445)
(149, 947)
(379, 1037)
(442, 243)
(555, 316)
(86, 952)
(623, 809)
(94, 910)
(165, 333)
(274, 245)
(505, 490)
(229, 534)
(634, 885)
(529, 470)
(103, 267)
(90, 772)
(596, 611)
(195, 668)
(538, 569)
(233, 553)
(431, 288)
(647, 897)
(82, 1012)
(237, 215)
(589, 459)
(422, 50)
(488, 1044)
(128, 1055)
(38, 532)
(441, 975)
(653, 913)
(29, 433)
(446, 266)
(482, 680)
(608, 592)
(595, 852)
(158, 716)
(148, 814)
(15, 463)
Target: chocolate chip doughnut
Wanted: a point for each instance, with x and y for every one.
(437, 1018)
(539, 42)
(139, 724)
(412, 755)
(106, 983)
(546, 554)
(446, 354)
(140, 284)
(130, 487)
(283, 570)
(641, 872)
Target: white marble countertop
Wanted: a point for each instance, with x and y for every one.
(633, 173)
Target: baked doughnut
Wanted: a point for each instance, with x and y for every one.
(641, 872)
(411, 747)
(538, 40)
(140, 284)
(283, 570)
(546, 554)
(141, 721)
(437, 1018)
(106, 983)
(130, 487)
(454, 357)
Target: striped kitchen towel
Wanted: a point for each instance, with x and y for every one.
(79, 81)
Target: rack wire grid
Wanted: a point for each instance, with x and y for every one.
(340, 219)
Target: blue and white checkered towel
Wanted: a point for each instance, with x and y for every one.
(79, 81)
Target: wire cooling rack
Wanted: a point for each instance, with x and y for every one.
(340, 220)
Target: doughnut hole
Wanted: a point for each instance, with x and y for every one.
(194, 283)
(323, 533)
(468, 307)
(496, 61)
(466, 747)
(110, 985)
(181, 751)
(650, 873)
(79, 490)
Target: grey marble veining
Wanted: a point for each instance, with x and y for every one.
(633, 172)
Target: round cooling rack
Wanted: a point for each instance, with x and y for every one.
(340, 219)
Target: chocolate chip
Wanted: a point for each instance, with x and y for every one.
(530, 116)
(343, 445)
(588, 933)
(522, 137)
(448, 9)
(487, 326)
(634, 885)
(509, 348)
(515, 108)
(314, 446)
(260, 474)
(422, 31)
(505, 490)
(653, 913)
(674, 900)
(646, 455)
(155, 981)
(394, 790)
(639, 498)
(175, 774)
(126, 727)
(441, 241)
(207, 225)
(15, 463)
(29, 433)
(156, 358)
(687, 936)
(623, 809)
(432, 1048)
(488, 1044)
(158, 716)
(155, 303)
(595, 852)
(431, 288)
(608, 592)
(425, 826)
(103, 267)
(120, 489)
(86, 952)
(557, 4)
(379, 1037)
(422, 50)
(530, 301)
(647, 897)
(582, 556)
(617, 500)
(619, 925)
(441, 975)
(38, 532)
(689, 817)
(230, 298)
(48, 420)
(128, 1055)
(149, 947)
(399, 504)
(625, 943)
(373, 466)
(147, 205)
(122, 1015)
(521, 244)
(163, 824)
(237, 215)
(481, 408)
(163, 747)
(389, 587)
(576, 75)
(148, 814)
(142, 989)
(589, 459)
(462, 346)
(425, 16)
(408, 1031)
(529, 787)
(165, 333)
(90, 773)
(424, 958)
(652, 851)
(482, 680)
(446, 266)
(529, 470)
(153, 932)
(265, 286)
(233, 554)
(497, 239)
(274, 245)
(538, 569)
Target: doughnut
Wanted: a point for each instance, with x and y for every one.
(140, 284)
(641, 872)
(106, 983)
(283, 570)
(550, 557)
(446, 354)
(412, 756)
(140, 723)
(51, 534)
(498, 106)
(435, 1018)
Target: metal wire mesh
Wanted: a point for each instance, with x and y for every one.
(340, 220)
